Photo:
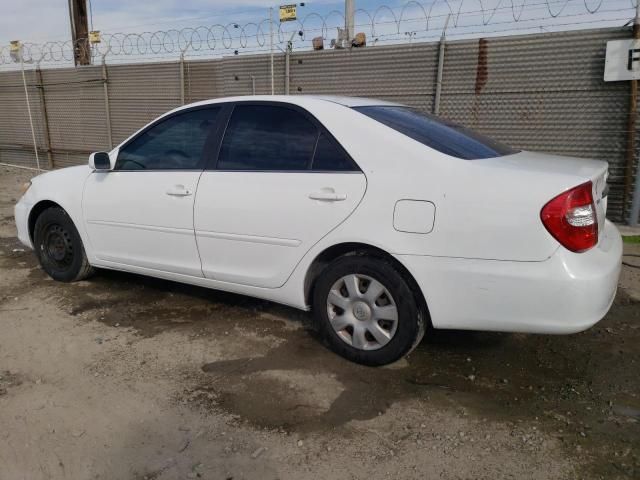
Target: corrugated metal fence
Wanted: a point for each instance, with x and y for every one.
(540, 92)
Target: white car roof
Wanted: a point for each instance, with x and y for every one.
(352, 101)
(297, 100)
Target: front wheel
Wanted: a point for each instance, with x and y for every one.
(365, 310)
(59, 247)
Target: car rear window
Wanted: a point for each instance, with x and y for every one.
(437, 133)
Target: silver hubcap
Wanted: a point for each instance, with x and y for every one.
(362, 312)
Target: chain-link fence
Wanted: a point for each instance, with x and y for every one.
(540, 92)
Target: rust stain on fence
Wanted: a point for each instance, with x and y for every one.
(482, 71)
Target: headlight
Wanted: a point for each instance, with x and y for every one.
(25, 187)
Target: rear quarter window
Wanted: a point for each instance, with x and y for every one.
(439, 134)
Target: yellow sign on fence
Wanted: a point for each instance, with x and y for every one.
(287, 13)
(94, 36)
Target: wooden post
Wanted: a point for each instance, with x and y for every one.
(80, 32)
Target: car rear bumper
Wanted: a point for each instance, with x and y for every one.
(21, 213)
(567, 293)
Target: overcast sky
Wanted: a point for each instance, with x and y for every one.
(42, 20)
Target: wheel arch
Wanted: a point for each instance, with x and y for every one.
(328, 255)
(35, 212)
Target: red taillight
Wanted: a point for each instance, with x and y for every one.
(571, 218)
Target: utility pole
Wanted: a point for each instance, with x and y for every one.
(80, 32)
(349, 27)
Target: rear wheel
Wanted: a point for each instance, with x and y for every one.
(366, 311)
(59, 247)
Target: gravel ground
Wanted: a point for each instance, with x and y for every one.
(128, 377)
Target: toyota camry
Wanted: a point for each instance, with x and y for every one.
(381, 219)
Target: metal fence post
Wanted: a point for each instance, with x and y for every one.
(271, 48)
(182, 78)
(287, 68)
(436, 100)
(631, 143)
(630, 157)
(26, 96)
(107, 107)
(45, 116)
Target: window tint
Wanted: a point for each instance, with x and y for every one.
(446, 137)
(175, 143)
(329, 157)
(264, 137)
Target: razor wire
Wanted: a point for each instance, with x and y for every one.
(383, 21)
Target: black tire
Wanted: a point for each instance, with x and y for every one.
(59, 247)
(411, 318)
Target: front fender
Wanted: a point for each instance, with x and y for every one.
(63, 187)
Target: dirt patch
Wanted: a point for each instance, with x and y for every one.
(582, 389)
(9, 380)
(152, 306)
(147, 305)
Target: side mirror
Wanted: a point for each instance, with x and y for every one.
(100, 161)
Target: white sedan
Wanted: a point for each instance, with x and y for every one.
(382, 219)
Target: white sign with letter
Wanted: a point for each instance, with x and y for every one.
(623, 60)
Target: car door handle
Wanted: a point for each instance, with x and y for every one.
(328, 196)
(179, 191)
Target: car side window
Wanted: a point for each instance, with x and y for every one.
(329, 158)
(176, 143)
(267, 137)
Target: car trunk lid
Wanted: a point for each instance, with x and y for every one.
(555, 174)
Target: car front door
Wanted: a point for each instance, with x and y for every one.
(281, 183)
(140, 213)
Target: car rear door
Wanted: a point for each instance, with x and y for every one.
(141, 213)
(281, 183)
